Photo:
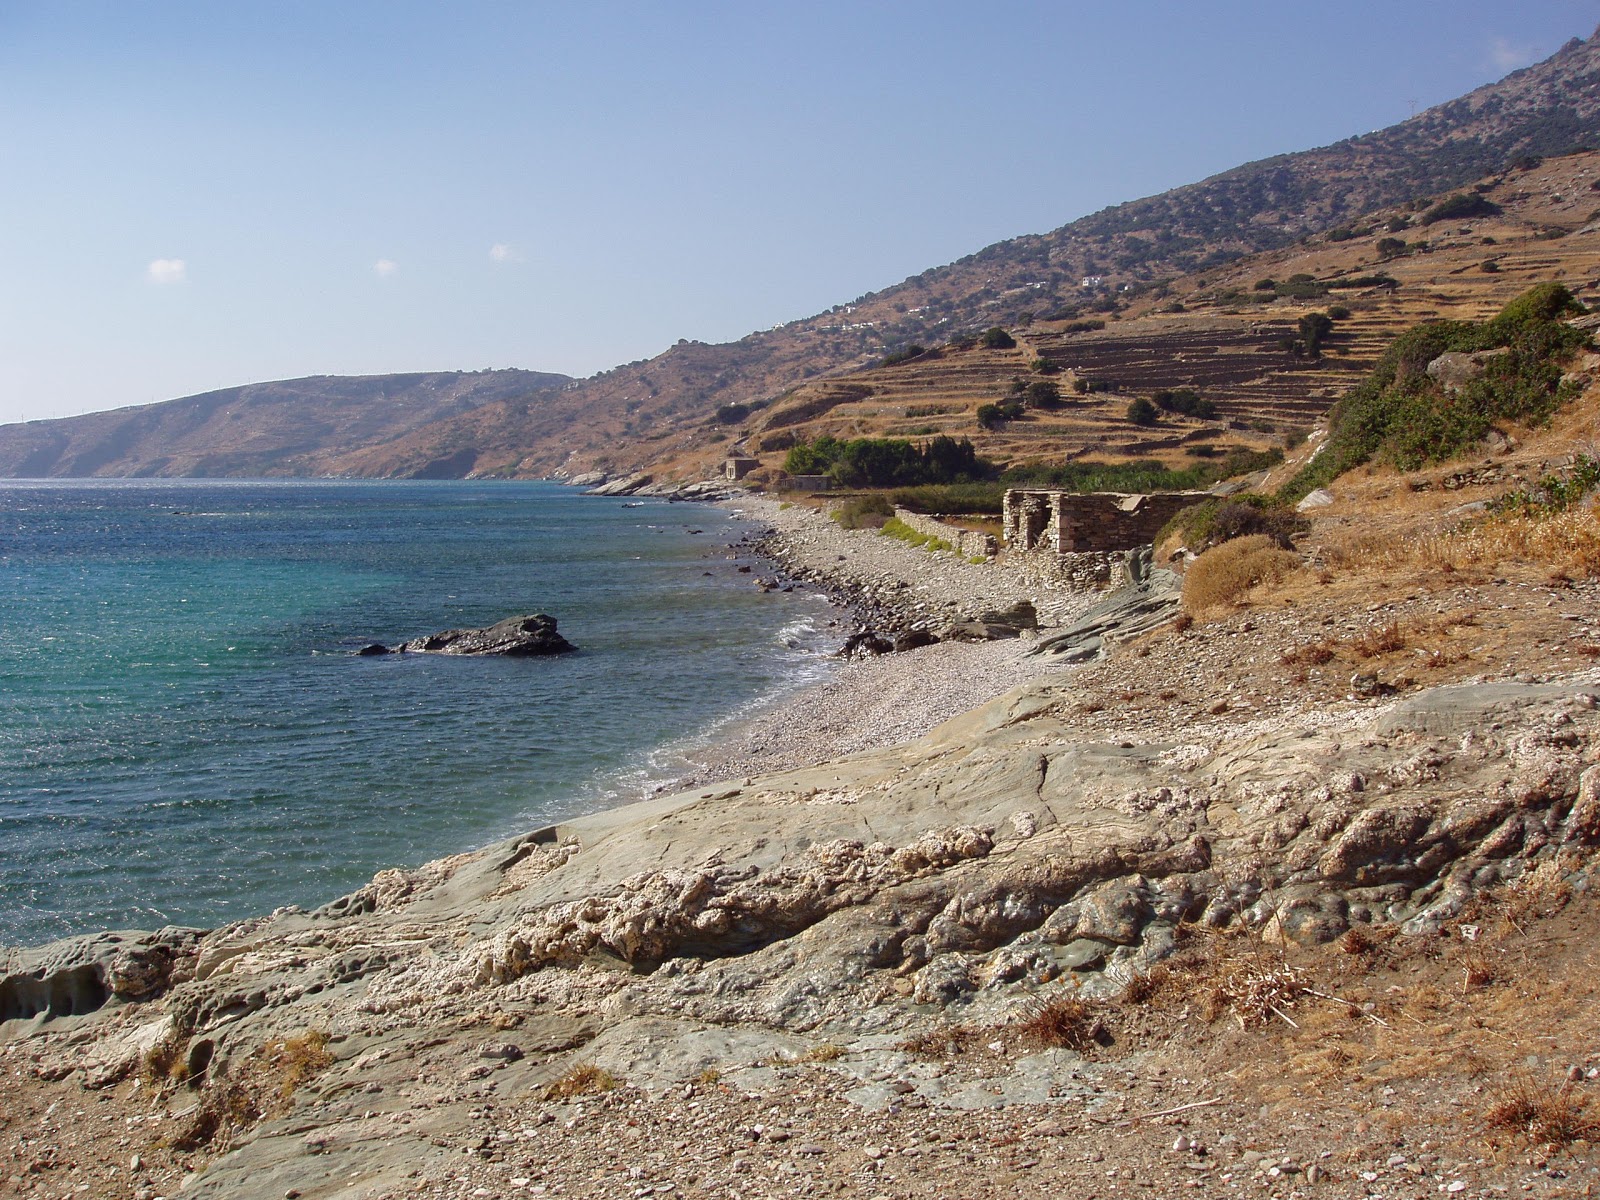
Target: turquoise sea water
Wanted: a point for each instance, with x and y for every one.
(186, 736)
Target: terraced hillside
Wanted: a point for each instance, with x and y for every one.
(1221, 333)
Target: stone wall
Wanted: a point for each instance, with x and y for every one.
(1076, 522)
(969, 543)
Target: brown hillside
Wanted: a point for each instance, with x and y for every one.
(1224, 343)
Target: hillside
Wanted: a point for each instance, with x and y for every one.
(1220, 333)
(655, 412)
(290, 427)
(1117, 265)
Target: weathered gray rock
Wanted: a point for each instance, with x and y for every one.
(515, 637)
(1453, 370)
(826, 903)
(627, 485)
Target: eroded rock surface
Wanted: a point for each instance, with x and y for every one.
(1002, 852)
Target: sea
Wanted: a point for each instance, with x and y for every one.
(188, 736)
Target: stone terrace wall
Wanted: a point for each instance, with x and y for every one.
(970, 543)
(1075, 522)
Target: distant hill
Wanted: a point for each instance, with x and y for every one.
(292, 427)
(652, 412)
(1102, 266)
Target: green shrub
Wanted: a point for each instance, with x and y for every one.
(951, 498)
(732, 414)
(864, 512)
(896, 528)
(1142, 412)
(1555, 492)
(906, 354)
(1212, 522)
(1460, 207)
(1042, 394)
(1390, 247)
(996, 338)
(887, 462)
(1091, 476)
(1401, 416)
(1186, 401)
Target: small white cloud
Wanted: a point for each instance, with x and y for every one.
(167, 270)
(385, 267)
(501, 252)
(1507, 57)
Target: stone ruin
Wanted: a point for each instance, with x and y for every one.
(1075, 522)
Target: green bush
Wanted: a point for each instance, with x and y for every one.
(887, 462)
(1142, 412)
(896, 528)
(905, 354)
(951, 498)
(1212, 522)
(1091, 476)
(1390, 247)
(1401, 416)
(1186, 401)
(996, 338)
(864, 512)
(1460, 207)
(732, 414)
(1042, 394)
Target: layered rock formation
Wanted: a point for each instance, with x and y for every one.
(980, 864)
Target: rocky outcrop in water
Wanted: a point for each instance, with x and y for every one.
(515, 637)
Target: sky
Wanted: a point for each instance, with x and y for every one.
(199, 195)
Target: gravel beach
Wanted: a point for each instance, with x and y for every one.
(874, 702)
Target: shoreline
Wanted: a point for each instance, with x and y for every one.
(875, 584)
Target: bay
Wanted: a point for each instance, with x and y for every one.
(186, 734)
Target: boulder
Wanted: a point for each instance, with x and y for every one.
(1316, 498)
(515, 637)
(1454, 370)
(626, 486)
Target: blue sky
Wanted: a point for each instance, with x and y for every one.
(199, 195)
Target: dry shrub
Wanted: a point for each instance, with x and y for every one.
(1541, 892)
(1144, 987)
(585, 1079)
(1312, 654)
(1225, 573)
(1588, 650)
(1256, 990)
(1062, 1021)
(1385, 639)
(1545, 1115)
(223, 1109)
(942, 1041)
(301, 1059)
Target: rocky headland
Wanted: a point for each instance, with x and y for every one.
(964, 920)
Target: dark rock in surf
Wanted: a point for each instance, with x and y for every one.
(370, 651)
(515, 637)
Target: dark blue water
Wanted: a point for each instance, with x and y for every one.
(187, 737)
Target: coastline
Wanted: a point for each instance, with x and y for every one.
(878, 584)
(830, 969)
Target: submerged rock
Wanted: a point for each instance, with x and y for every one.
(515, 637)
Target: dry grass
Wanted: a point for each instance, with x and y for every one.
(943, 1041)
(223, 1110)
(1567, 543)
(585, 1079)
(300, 1059)
(1541, 1113)
(1223, 574)
(1311, 654)
(1385, 639)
